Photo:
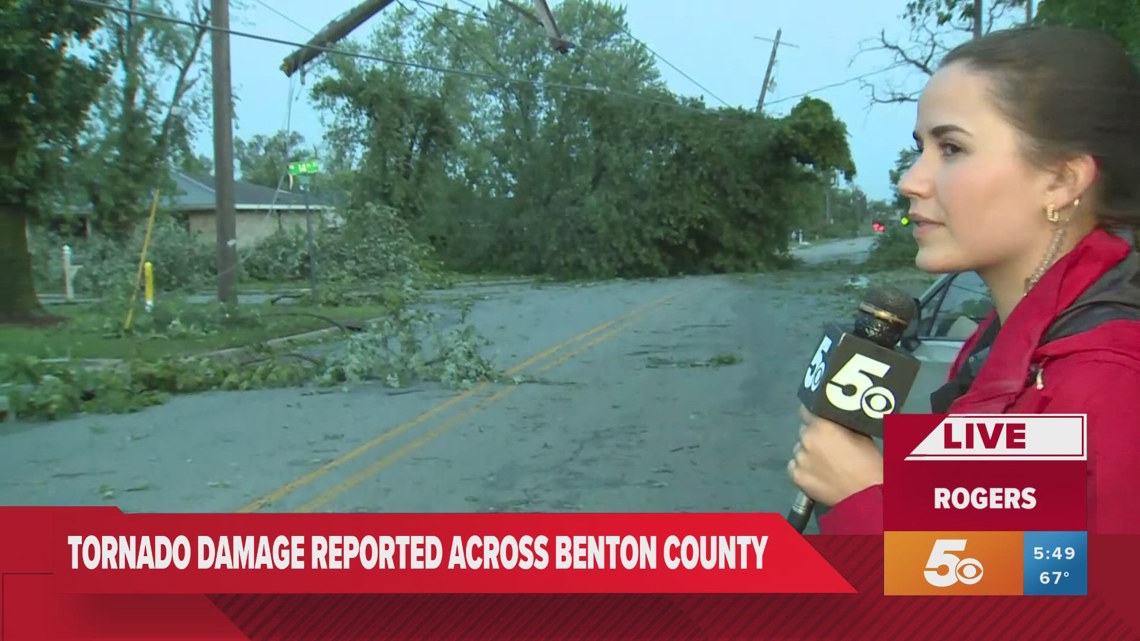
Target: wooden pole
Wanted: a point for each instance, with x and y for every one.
(333, 33)
(768, 71)
(225, 220)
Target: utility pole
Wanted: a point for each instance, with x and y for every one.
(771, 63)
(224, 218)
(977, 19)
(1028, 12)
(827, 199)
(333, 33)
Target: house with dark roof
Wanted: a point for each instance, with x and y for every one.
(259, 211)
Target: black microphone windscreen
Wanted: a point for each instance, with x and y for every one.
(892, 300)
(884, 315)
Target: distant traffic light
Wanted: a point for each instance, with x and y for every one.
(905, 221)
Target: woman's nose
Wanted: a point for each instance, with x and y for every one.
(914, 183)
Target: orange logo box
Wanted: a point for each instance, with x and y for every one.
(953, 563)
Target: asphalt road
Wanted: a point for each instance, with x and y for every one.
(666, 395)
(847, 249)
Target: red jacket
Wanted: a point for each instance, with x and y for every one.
(1096, 372)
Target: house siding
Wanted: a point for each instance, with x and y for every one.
(252, 225)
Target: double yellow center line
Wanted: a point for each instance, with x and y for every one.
(585, 341)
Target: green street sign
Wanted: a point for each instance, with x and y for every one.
(304, 167)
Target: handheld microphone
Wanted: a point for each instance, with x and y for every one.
(856, 378)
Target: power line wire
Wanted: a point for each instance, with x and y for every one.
(284, 15)
(461, 72)
(461, 39)
(481, 10)
(833, 85)
(390, 61)
(627, 32)
(478, 14)
(482, 15)
(467, 44)
(474, 8)
(280, 41)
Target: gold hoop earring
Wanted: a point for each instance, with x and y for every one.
(1051, 214)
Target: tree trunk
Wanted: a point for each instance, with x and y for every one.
(18, 301)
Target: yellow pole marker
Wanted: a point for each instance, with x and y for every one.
(148, 272)
(142, 260)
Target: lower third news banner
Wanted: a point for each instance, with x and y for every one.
(985, 505)
(105, 551)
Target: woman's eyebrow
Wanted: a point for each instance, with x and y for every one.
(942, 130)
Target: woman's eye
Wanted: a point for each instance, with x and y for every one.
(949, 148)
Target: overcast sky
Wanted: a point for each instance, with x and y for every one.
(713, 41)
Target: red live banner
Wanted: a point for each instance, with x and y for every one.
(986, 472)
(102, 550)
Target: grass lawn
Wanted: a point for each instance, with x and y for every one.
(96, 331)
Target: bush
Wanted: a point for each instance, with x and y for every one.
(109, 268)
(372, 246)
(281, 257)
(893, 249)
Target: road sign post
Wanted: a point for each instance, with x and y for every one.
(304, 171)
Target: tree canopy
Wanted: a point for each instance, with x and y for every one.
(502, 152)
(45, 96)
(585, 164)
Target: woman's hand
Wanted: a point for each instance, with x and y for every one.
(831, 462)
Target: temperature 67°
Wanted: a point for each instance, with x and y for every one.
(1053, 578)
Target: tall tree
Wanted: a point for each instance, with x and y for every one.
(263, 159)
(146, 118)
(45, 97)
(569, 163)
(1121, 18)
(936, 27)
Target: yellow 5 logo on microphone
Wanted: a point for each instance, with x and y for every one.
(853, 387)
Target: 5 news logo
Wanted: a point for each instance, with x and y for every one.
(855, 382)
(853, 387)
(818, 365)
(944, 568)
(985, 563)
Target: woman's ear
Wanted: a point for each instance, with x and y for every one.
(1073, 179)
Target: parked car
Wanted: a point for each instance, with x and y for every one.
(949, 312)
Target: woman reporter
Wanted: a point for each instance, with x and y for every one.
(1029, 144)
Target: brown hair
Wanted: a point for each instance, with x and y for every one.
(1070, 92)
